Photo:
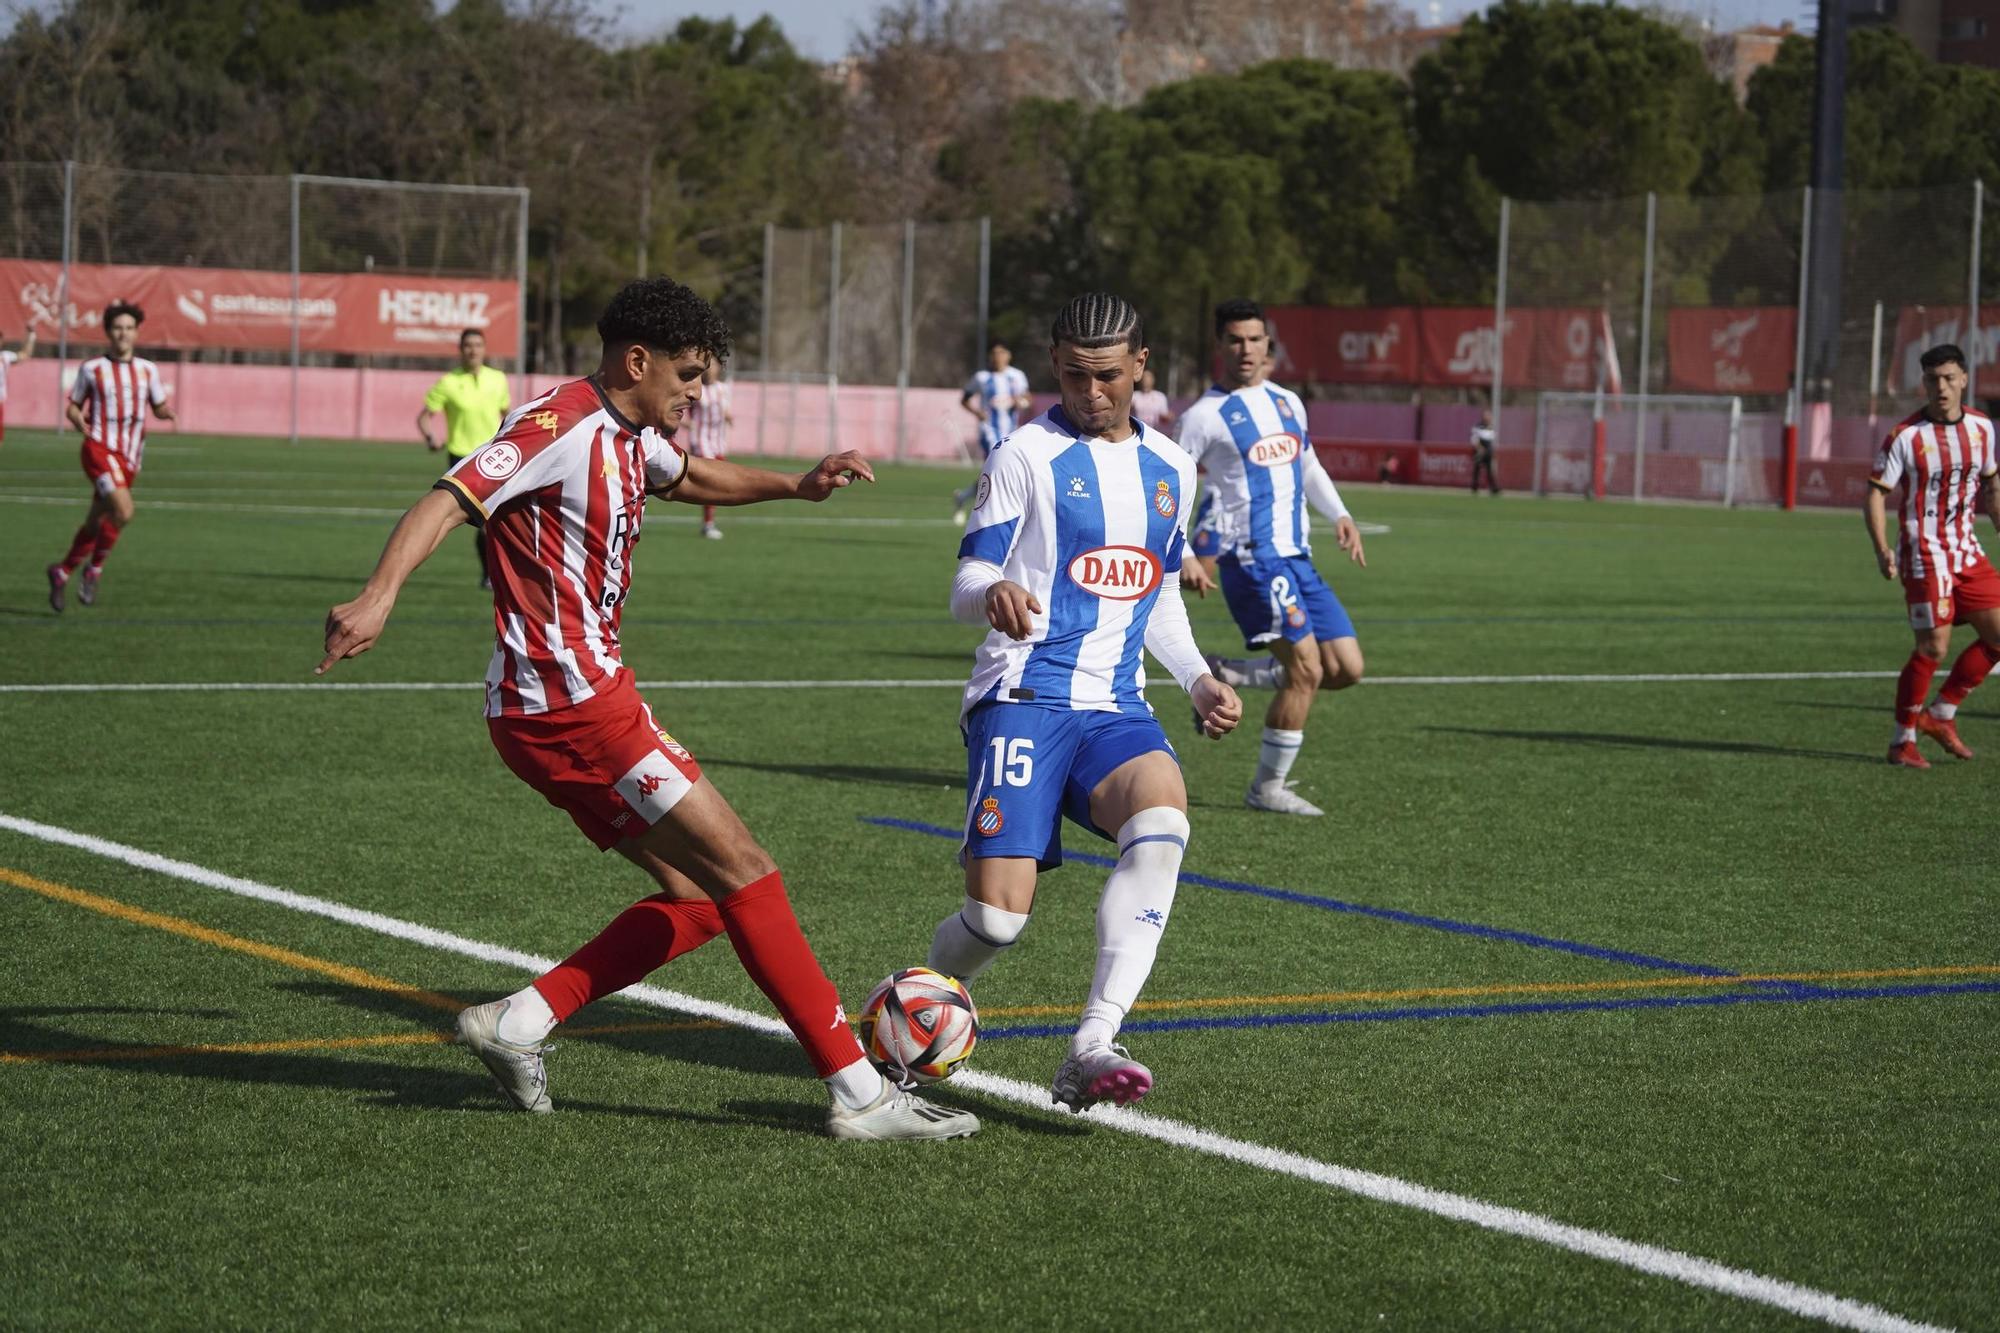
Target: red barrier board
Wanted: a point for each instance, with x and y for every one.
(1331, 345)
(1731, 349)
(363, 313)
(1458, 345)
(1920, 328)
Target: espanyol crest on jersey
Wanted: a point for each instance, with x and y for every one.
(1093, 530)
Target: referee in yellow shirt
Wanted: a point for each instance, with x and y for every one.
(473, 398)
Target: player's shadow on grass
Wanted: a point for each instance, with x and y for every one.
(887, 775)
(1871, 708)
(1614, 741)
(18, 1031)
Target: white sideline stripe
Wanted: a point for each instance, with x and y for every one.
(1672, 1264)
(219, 507)
(366, 686)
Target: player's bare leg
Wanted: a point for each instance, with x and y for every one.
(1145, 800)
(1939, 721)
(1911, 688)
(1304, 668)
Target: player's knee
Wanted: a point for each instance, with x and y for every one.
(1304, 673)
(1346, 669)
(1934, 646)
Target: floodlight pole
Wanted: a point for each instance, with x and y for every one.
(521, 295)
(1645, 351)
(1975, 348)
(764, 335)
(1500, 326)
(985, 287)
(908, 316)
(62, 286)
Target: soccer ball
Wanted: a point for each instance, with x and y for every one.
(919, 1026)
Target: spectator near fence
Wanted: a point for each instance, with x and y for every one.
(1150, 406)
(1482, 455)
(8, 358)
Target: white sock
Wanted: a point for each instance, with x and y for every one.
(1943, 711)
(855, 1086)
(1131, 916)
(1257, 673)
(970, 938)
(526, 1019)
(1275, 755)
(1904, 734)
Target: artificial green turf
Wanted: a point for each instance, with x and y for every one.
(1845, 1145)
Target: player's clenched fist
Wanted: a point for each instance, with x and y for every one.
(1885, 560)
(1012, 609)
(1217, 706)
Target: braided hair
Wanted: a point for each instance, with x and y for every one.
(1099, 319)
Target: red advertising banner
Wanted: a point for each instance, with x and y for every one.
(362, 313)
(1566, 343)
(1741, 349)
(1459, 346)
(1920, 328)
(1330, 345)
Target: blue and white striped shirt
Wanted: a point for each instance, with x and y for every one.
(1001, 395)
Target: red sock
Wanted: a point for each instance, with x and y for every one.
(107, 537)
(81, 546)
(775, 954)
(644, 938)
(1966, 673)
(1913, 687)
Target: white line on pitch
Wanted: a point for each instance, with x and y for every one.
(1672, 1264)
(390, 686)
(337, 511)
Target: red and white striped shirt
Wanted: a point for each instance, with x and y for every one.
(114, 396)
(1940, 468)
(560, 492)
(6, 359)
(707, 430)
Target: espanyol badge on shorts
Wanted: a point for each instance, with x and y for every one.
(1295, 616)
(988, 820)
(1163, 499)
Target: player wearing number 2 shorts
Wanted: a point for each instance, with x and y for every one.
(1072, 555)
(560, 493)
(1942, 458)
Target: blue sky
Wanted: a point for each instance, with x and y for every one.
(823, 28)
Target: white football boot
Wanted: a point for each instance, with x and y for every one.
(1089, 1077)
(897, 1114)
(1279, 798)
(517, 1069)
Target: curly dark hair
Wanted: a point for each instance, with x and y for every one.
(117, 308)
(1236, 311)
(665, 317)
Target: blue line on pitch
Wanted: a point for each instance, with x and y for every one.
(1803, 996)
(1362, 909)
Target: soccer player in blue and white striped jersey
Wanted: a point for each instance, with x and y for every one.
(1250, 437)
(996, 396)
(1073, 557)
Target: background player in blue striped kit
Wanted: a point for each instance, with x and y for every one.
(1073, 557)
(1250, 437)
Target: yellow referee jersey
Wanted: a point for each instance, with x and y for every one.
(472, 403)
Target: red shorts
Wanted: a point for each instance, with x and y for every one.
(107, 469)
(605, 762)
(1943, 598)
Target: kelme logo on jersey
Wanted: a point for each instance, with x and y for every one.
(497, 461)
(1275, 450)
(1116, 573)
(1163, 500)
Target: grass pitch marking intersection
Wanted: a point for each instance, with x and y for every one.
(1655, 1260)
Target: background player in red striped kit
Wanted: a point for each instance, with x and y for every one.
(1943, 458)
(561, 492)
(108, 404)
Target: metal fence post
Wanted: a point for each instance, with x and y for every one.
(62, 287)
(833, 345)
(521, 287)
(1975, 341)
(295, 308)
(908, 316)
(1645, 353)
(985, 287)
(1500, 327)
(764, 335)
(1788, 466)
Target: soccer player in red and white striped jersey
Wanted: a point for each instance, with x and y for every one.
(108, 404)
(8, 358)
(560, 493)
(1943, 458)
(707, 432)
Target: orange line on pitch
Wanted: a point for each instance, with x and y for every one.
(1511, 988)
(175, 925)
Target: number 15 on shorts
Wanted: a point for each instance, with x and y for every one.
(1013, 761)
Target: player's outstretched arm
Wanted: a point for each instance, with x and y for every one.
(717, 481)
(352, 627)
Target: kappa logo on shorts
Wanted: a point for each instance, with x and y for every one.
(649, 783)
(988, 821)
(497, 461)
(1163, 499)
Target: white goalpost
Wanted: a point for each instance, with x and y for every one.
(1685, 447)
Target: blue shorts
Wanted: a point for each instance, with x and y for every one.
(1206, 545)
(1028, 766)
(1280, 598)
